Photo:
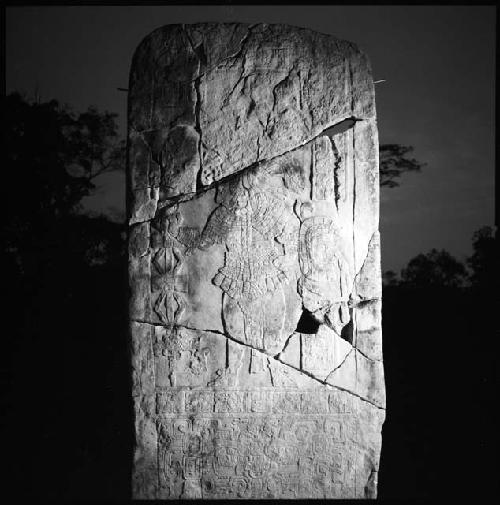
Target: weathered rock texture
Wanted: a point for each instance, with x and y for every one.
(254, 265)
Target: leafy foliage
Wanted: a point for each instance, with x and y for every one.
(435, 269)
(439, 269)
(394, 162)
(390, 278)
(66, 302)
(484, 261)
(52, 157)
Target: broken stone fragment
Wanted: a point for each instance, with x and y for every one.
(368, 283)
(254, 265)
(292, 353)
(369, 329)
(366, 188)
(145, 204)
(323, 352)
(361, 376)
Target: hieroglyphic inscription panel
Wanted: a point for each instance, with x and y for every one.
(268, 443)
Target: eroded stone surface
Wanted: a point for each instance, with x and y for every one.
(254, 265)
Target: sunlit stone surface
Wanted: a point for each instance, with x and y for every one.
(254, 260)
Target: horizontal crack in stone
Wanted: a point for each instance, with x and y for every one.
(336, 128)
(304, 372)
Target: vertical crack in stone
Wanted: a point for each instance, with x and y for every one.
(312, 168)
(301, 352)
(331, 132)
(151, 350)
(339, 266)
(242, 75)
(351, 87)
(200, 54)
(354, 329)
(158, 454)
(197, 112)
(234, 56)
(353, 161)
(270, 371)
(336, 168)
(243, 42)
(232, 90)
(241, 52)
(152, 99)
(301, 98)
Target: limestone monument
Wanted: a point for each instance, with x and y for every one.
(254, 265)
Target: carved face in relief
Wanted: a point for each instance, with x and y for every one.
(320, 248)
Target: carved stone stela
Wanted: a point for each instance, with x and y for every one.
(254, 265)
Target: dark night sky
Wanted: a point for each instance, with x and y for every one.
(439, 64)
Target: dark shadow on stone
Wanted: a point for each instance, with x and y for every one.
(347, 331)
(307, 323)
(341, 127)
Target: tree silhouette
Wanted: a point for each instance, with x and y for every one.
(484, 261)
(394, 162)
(436, 269)
(66, 306)
(390, 278)
(52, 157)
